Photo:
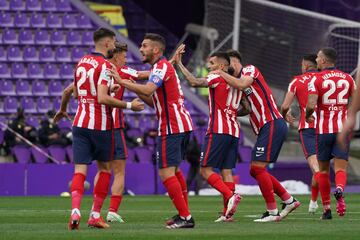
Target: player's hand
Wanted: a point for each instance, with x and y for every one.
(178, 54)
(289, 118)
(344, 136)
(113, 73)
(310, 119)
(59, 115)
(115, 88)
(137, 105)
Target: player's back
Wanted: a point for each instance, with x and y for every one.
(224, 102)
(169, 101)
(90, 72)
(334, 89)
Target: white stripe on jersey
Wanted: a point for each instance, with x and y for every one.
(261, 104)
(178, 118)
(228, 123)
(321, 122)
(237, 131)
(159, 109)
(187, 117)
(82, 115)
(273, 102)
(103, 117)
(306, 123)
(290, 85)
(92, 116)
(220, 123)
(254, 109)
(256, 130)
(339, 121)
(331, 125)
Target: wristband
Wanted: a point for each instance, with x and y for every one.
(128, 105)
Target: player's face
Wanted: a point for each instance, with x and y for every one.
(213, 64)
(147, 51)
(110, 46)
(320, 60)
(235, 64)
(120, 59)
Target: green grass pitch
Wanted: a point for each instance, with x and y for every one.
(47, 218)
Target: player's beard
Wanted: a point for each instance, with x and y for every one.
(110, 54)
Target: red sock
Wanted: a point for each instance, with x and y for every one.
(77, 190)
(115, 201)
(315, 188)
(216, 182)
(231, 186)
(174, 189)
(101, 190)
(340, 179)
(266, 186)
(324, 187)
(279, 189)
(183, 185)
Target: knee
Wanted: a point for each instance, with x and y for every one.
(205, 172)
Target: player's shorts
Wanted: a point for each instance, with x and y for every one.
(89, 145)
(269, 141)
(308, 141)
(170, 149)
(120, 149)
(327, 147)
(219, 151)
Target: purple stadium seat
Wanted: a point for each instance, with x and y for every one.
(38, 156)
(35, 70)
(53, 21)
(6, 19)
(2, 54)
(48, 5)
(17, 5)
(87, 38)
(9, 36)
(58, 38)
(26, 37)
(4, 70)
(66, 71)
(69, 153)
(33, 5)
(43, 105)
(51, 71)
(143, 154)
(63, 5)
(21, 153)
(55, 88)
(23, 88)
(73, 105)
(18, 70)
(37, 20)
(2, 135)
(62, 54)
(4, 5)
(65, 124)
(58, 153)
(46, 54)
(32, 121)
(77, 54)
(21, 20)
(57, 103)
(69, 21)
(10, 105)
(39, 88)
(83, 21)
(73, 38)
(28, 104)
(7, 88)
(14, 54)
(30, 54)
(42, 37)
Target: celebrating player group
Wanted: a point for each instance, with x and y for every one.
(100, 78)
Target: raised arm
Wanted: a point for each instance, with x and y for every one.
(242, 83)
(193, 81)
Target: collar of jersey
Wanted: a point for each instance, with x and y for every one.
(98, 54)
(161, 58)
(330, 68)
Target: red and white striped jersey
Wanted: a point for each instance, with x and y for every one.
(224, 102)
(334, 88)
(299, 87)
(263, 106)
(117, 113)
(169, 100)
(90, 72)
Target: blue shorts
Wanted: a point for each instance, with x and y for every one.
(120, 149)
(328, 148)
(308, 141)
(170, 149)
(89, 145)
(269, 141)
(219, 151)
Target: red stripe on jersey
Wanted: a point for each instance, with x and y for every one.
(268, 154)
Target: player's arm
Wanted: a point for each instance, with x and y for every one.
(310, 107)
(193, 81)
(143, 75)
(285, 107)
(148, 100)
(238, 83)
(246, 108)
(65, 98)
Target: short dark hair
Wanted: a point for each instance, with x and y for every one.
(120, 47)
(330, 54)
(235, 54)
(102, 33)
(156, 38)
(222, 55)
(310, 57)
